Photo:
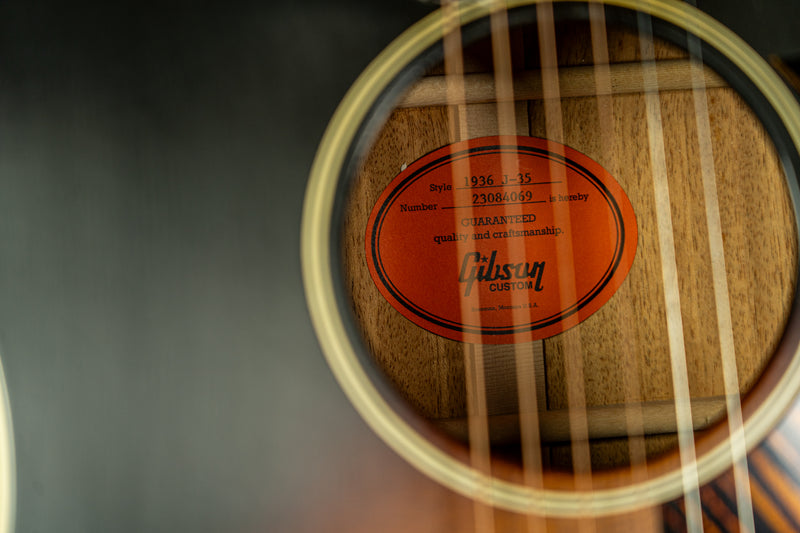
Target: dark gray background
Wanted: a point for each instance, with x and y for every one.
(162, 370)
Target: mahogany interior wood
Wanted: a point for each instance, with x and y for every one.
(630, 330)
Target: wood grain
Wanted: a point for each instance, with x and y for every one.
(673, 75)
(758, 234)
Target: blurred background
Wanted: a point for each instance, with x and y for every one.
(162, 369)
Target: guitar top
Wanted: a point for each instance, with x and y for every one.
(162, 370)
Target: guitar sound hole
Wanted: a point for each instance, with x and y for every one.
(616, 368)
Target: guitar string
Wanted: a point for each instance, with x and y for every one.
(627, 347)
(669, 274)
(571, 342)
(459, 120)
(477, 414)
(720, 284)
(524, 350)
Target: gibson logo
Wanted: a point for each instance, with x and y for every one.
(477, 267)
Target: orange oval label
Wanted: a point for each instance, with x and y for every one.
(501, 239)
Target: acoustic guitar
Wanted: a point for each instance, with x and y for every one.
(550, 252)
